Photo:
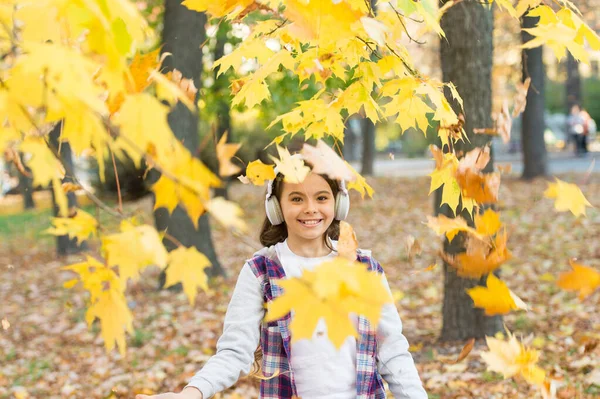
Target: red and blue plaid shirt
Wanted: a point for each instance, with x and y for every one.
(275, 340)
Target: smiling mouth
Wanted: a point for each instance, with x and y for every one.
(310, 223)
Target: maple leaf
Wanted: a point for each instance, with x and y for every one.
(94, 276)
(479, 263)
(325, 160)
(450, 226)
(80, 226)
(582, 278)
(43, 163)
(333, 290)
(292, 168)
(218, 9)
(488, 223)
(347, 243)
(227, 213)
(225, 152)
(568, 197)
(140, 68)
(134, 249)
(413, 247)
(496, 298)
(173, 87)
(521, 97)
(186, 266)
(511, 358)
(257, 172)
(360, 184)
(115, 318)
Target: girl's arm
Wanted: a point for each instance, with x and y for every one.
(394, 361)
(241, 333)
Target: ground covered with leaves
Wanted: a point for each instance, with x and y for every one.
(47, 350)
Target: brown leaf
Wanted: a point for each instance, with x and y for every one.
(186, 85)
(465, 350)
(520, 101)
(347, 244)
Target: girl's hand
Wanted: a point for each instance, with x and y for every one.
(187, 393)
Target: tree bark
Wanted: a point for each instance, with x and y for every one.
(350, 142)
(64, 244)
(368, 153)
(183, 35)
(26, 186)
(223, 110)
(573, 86)
(535, 158)
(466, 58)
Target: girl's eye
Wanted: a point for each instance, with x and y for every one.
(296, 199)
(323, 198)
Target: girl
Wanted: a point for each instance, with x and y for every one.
(299, 232)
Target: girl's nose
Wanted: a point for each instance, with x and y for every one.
(310, 206)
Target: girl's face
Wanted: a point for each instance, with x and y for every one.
(308, 208)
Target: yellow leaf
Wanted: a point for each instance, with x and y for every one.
(252, 93)
(140, 69)
(44, 165)
(60, 198)
(115, 318)
(347, 243)
(360, 184)
(568, 197)
(81, 226)
(170, 91)
(292, 168)
(257, 172)
(496, 298)
(333, 290)
(480, 263)
(511, 358)
(218, 9)
(507, 5)
(489, 223)
(133, 250)
(227, 213)
(225, 152)
(186, 266)
(582, 278)
(450, 226)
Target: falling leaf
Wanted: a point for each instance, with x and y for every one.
(427, 269)
(511, 358)
(186, 266)
(244, 179)
(228, 213)
(496, 298)
(568, 197)
(505, 168)
(186, 85)
(449, 226)
(5, 324)
(257, 172)
(333, 290)
(413, 246)
(71, 187)
(347, 243)
(521, 97)
(360, 184)
(480, 263)
(465, 350)
(582, 278)
(292, 168)
(325, 160)
(488, 223)
(225, 152)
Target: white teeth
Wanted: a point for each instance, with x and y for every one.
(310, 222)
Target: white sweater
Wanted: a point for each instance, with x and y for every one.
(241, 335)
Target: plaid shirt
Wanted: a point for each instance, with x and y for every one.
(275, 340)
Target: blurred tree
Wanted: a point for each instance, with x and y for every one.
(466, 58)
(26, 185)
(573, 84)
(183, 36)
(535, 159)
(64, 244)
(368, 135)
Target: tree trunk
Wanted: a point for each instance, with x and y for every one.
(64, 244)
(183, 34)
(368, 153)
(466, 58)
(573, 83)
(535, 158)
(26, 186)
(223, 110)
(350, 142)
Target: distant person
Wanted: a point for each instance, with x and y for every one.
(589, 129)
(575, 128)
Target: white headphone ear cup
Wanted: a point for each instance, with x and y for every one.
(342, 205)
(273, 210)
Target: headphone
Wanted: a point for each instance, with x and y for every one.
(273, 208)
